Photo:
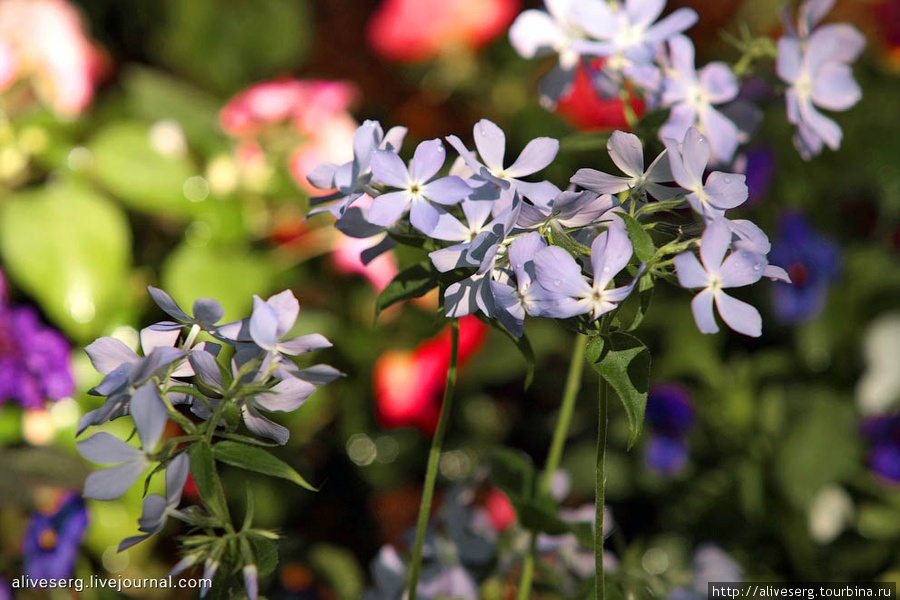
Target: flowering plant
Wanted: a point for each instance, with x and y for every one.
(506, 246)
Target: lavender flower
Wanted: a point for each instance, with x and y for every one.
(710, 563)
(537, 33)
(692, 97)
(34, 359)
(816, 65)
(149, 414)
(812, 262)
(716, 273)
(629, 33)
(125, 372)
(516, 298)
(416, 189)
(566, 210)
(721, 191)
(51, 540)
(670, 415)
(491, 144)
(627, 153)
(350, 179)
(207, 312)
(156, 508)
(558, 273)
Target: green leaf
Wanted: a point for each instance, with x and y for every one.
(513, 472)
(624, 362)
(645, 297)
(256, 459)
(228, 44)
(70, 249)
(203, 469)
(128, 165)
(266, 554)
(340, 568)
(154, 95)
(644, 248)
(820, 449)
(414, 282)
(229, 274)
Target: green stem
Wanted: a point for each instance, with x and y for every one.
(573, 384)
(433, 458)
(601, 489)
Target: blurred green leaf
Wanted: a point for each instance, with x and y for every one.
(821, 448)
(228, 44)
(414, 282)
(513, 472)
(69, 248)
(879, 522)
(230, 275)
(154, 95)
(624, 362)
(340, 568)
(256, 459)
(127, 165)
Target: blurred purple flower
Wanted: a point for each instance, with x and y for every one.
(34, 358)
(693, 95)
(883, 432)
(811, 260)
(51, 540)
(670, 416)
(758, 165)
(5, 590)
(715, 274)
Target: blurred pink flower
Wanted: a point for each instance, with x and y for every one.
(346, 258)
(45, 40)
(314, 109)
(418, 30)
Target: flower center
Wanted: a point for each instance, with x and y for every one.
(803, 85)
(799, 274)
(47, 539)
(415, 189)
(696, 97)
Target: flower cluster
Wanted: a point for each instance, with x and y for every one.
(207, 387)
(35, 361)
(522, 248)
(474, 543)
(648, 56)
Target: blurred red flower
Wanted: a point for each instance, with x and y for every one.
(586, 110)
(315, 111)
(409, 386)
(417, 30)
(45, 41)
